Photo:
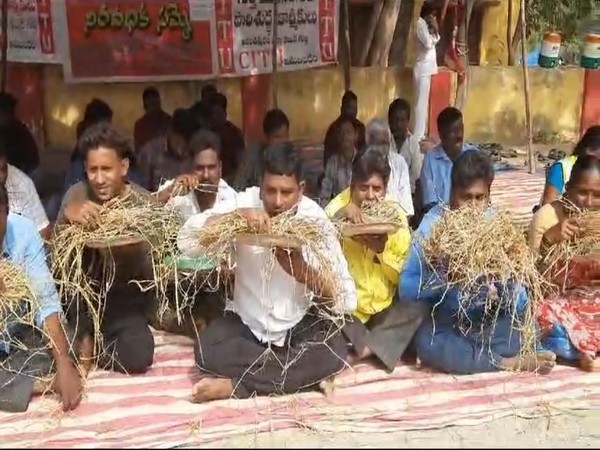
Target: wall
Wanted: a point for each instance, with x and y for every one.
(494, 47)
(64, 104)
(495, 109)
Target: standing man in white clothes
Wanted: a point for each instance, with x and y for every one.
(270, 340)
(428, 35)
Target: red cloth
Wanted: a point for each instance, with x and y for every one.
(149, 127)
(578, 308)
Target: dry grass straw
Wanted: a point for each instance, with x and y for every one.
(558, 258)
(133, 217)
(475, 249)
(218, 239)
(379, 212)
(17, 297)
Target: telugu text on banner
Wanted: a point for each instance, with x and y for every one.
(30, 32)
(307, 32)
(135, 40)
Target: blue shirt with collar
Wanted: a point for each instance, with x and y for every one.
(419, 283)
(24, 247)
(435, 175)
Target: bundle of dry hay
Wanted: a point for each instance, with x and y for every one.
(559, 257)
(475, 249)
(133, 219)
(379, 212)
(218, 239)
(17, 299)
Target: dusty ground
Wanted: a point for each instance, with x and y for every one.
(576, 429)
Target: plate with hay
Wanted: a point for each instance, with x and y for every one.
(361, 229)
(269, 240)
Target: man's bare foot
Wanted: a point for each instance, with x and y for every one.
(42, 386)
(327, 386)
(209, 388)
(589, 364)
(542, 363)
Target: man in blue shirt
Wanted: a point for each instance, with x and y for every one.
(438, 162)
(440, 342)
(22, 364)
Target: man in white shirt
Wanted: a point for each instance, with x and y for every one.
(378, 135)
(204, 188)
(425, 66)
(22, 195)
(270, 341)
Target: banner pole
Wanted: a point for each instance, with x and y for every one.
(274, 101)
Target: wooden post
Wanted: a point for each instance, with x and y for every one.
(348, 62)
(4, 70)
(274, 103)
(526, 89)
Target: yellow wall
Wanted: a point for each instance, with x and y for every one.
(495, 109)
(494, 48)
(64, 104)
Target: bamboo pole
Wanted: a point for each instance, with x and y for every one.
(348, 62)
(4, 68)
(274, 83)
(526, 89)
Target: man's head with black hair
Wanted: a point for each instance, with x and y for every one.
(399, 118)
(206, 160)
(472, 177)
(106, 153)
(207, 92)
(349, 107)
(276, 127)
(151, 100)
(370, 175)
(589, 144)
(452, 131)
(8, 107)
(218, 110)
(282, 186)
(183, 126)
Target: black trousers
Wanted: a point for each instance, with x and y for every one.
(315, 349)
(388, 333)
(127, 341)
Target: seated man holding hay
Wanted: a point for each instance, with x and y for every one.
(33, 342)
(279, 334)
(470, 265)
(98, 278)
(383, 326)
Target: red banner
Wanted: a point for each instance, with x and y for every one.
(136, 40)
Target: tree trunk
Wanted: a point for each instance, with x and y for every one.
(513, 39)
(400, 40)
(462, 86)
(4, 71)
(384, 33)
(373, 20)
(345, 12)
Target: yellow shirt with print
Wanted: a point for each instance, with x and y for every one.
(375, 275)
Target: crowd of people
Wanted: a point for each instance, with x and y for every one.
(270, 340)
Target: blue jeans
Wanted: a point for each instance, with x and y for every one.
(442, 346)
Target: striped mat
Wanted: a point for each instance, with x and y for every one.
(153, 410)
(518, 191)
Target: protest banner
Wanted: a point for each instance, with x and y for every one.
(30, 32)
(136, 40)
(307, 35)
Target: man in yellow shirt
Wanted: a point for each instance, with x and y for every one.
(384, 327)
